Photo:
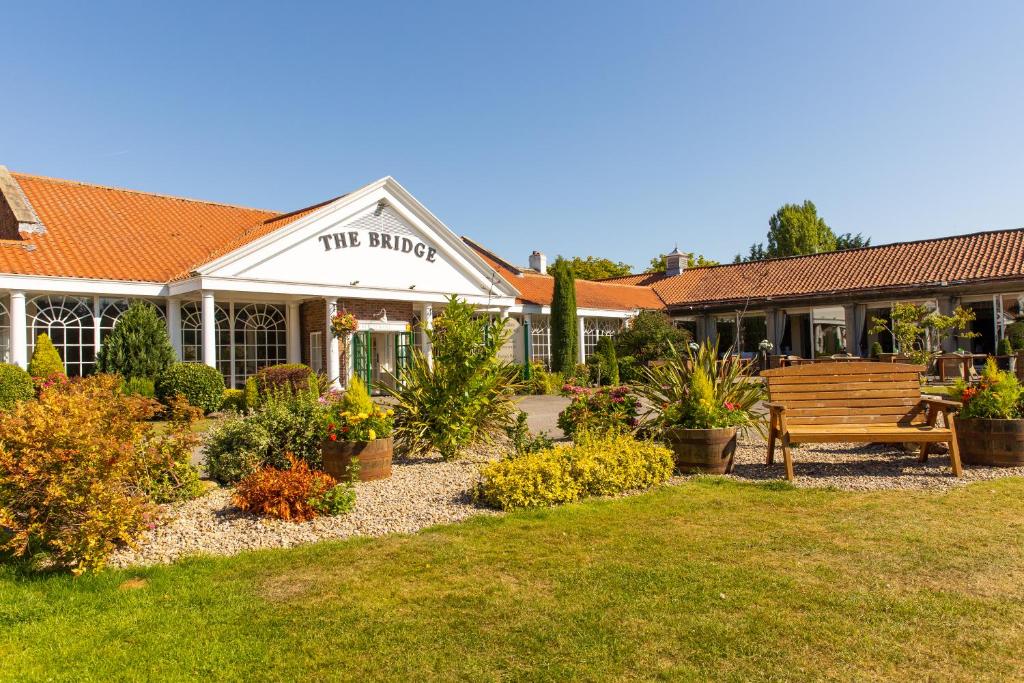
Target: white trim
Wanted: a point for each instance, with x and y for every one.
(535, 309)
(383, 326)
(69, 285)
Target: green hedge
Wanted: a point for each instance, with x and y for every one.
(201, 385)
(15, 386)
(233, 399)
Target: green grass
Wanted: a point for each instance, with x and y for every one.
(710, 579)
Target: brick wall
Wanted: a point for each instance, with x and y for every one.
(370, 310)
(8, 223)
(312, 316)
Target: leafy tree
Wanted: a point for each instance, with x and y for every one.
(138, 346)
(564, 342)
(797, 229)
(919, 333)
(649, 336)
(46, 362)
(692, 261)
(595, 268)
(850, 241)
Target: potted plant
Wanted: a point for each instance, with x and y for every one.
(358, 436)
(765, 349)
(697, 405)
(990, 428)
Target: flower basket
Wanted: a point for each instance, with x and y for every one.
(709, 451)
(343, 325)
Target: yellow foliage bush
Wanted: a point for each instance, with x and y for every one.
(594, 465)
(76, 466)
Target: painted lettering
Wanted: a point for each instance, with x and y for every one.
(326, 239)
(406, 245)
(419, 249)
(385, 241)
(378, 240)
(374, 239)
(353, 239)
(431, 253)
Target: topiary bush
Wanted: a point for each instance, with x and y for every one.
(595, 465)
(292, 377)
(15, 386)
(138, 346)
(46, 362)
(201, 385)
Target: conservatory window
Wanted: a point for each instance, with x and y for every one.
(69, 323)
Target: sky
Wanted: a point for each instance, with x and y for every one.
(575, 128)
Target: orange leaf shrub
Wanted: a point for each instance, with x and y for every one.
(285, 494)
(73, 472)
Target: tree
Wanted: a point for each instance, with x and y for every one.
(46, 362)
(596, 268)
(692, 261)
(850, 241)
(756, 253)
(564, 342)
(919, 333)
(651, 335)
(138, 346)
(797, 229)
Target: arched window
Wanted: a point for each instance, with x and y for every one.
(192, 336)
(68, 320)
(260, 339)
(540, 339)
(5, 334)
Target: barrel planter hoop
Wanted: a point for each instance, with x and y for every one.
(709, 451)
(374, 458)
(998, 443)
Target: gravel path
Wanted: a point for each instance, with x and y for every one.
(426, 492)
(419, 494)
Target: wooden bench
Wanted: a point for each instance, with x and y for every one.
(860, 402)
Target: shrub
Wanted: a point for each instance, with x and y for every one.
(594, 465)
(252, 394)
(287, 494)
(138, 346)
(466, 397)
(1005, 347)
(201, 385)
(563, 321)
(291, 377)
(295, 425)
(876, 350)
(998, 395)
(72, 473)
(138, 386)
(233, 399)
(604, 364)
(1015, 333)
(339, 499)
(598, 410)
(650, 336)
(170, 475)
(235, 449)
(522, 440)
(46, 362)
(15, 386)
(629, 370)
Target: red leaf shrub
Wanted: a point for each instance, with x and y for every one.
(285, 494)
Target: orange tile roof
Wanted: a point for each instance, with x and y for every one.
(978, 256)
(535, 288)
(93, 231)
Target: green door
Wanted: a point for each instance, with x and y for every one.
(403, 353)
(362, 357)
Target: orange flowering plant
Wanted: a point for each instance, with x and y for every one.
(297, 494)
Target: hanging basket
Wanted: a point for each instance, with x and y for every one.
(343, 325)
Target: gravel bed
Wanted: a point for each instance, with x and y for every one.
(419, 493)
(860, 467)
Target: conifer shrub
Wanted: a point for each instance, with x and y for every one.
(45, 363)
(138, 346)
(200, 385)
(139, 386)
(564, 325)
(15, 386)
(594, 465)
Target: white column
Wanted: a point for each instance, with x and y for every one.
(427, 320)
(333, 344)
(581, 330)
(96, 320)
(19, 341)
(209, 330)
(294, 328)
(174, 324)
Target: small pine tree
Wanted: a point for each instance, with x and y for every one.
(138, 346)
(1005, 347)
(609, 359)
(564, 340)
(876, 349)
(46, 362)
(356, 398)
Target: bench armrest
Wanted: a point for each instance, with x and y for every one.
(941, 402)
(775, 407)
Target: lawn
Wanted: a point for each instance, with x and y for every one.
(710, 579)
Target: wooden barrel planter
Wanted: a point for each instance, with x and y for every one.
(709, 451)
(998, 443)
(374, 458)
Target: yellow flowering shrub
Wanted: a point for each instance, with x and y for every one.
(594, 465)
(76, 466)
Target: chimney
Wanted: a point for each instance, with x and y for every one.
(539, 262)
(17, 218)
(675, 262)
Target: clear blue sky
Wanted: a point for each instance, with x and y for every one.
(613, 129)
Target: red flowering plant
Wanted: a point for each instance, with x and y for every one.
(343, 324)
(998, 396)
(598, 410)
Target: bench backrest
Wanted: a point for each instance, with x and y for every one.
(863, 392)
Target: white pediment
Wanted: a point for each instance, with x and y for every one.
(378, 238)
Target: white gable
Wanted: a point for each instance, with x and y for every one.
(377, 239)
